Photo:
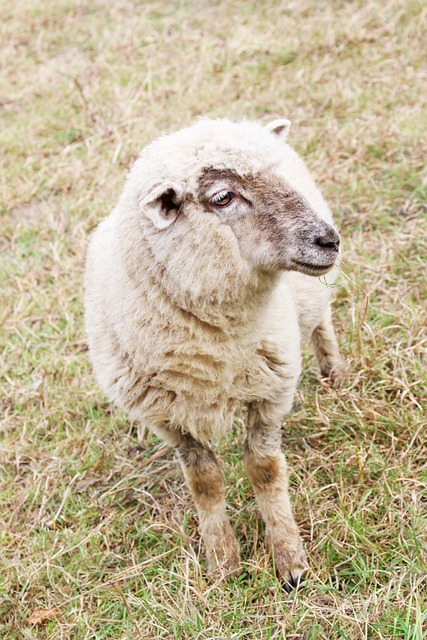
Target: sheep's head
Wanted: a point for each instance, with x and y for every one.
(275, 226)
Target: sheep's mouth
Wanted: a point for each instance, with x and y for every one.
(311, 269)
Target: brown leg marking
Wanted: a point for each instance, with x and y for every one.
(267, 471)
(204, 478)
(327, 351)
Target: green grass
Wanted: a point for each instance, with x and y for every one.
(97, 523)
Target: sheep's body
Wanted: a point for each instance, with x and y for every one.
(183, 328)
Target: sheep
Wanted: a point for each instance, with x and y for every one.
(199, 290)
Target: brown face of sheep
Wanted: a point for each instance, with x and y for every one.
(276, 227)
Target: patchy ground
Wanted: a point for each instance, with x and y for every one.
(98, 537)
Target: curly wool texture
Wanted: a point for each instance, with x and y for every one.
(182, 329)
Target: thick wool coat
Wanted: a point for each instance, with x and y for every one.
(182, 330)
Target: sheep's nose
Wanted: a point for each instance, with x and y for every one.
(328, 240)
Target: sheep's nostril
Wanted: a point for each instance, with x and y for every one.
(329, 240)
(327, 244)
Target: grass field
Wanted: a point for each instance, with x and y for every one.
(96, 525)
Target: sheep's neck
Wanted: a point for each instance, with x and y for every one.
(235, 309)
(218, 288)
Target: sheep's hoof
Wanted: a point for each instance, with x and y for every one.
(291, 568)
(334, 374)
(225, 569)
(224, 558)
(291, 583)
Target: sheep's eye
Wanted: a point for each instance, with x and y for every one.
(222, 199)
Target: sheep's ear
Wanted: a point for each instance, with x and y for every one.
(280, 128)
(162, 206)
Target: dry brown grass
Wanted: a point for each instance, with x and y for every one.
(103, 530)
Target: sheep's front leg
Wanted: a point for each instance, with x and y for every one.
(327, 351)
(204, 477)
(267, 470)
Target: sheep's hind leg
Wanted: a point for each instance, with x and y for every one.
(327, 351)
(267, 470)
(204, 477)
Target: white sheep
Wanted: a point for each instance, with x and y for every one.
(198, 295)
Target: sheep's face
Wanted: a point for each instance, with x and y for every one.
(275, 226)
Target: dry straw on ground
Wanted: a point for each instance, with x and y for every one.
(95, 524)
